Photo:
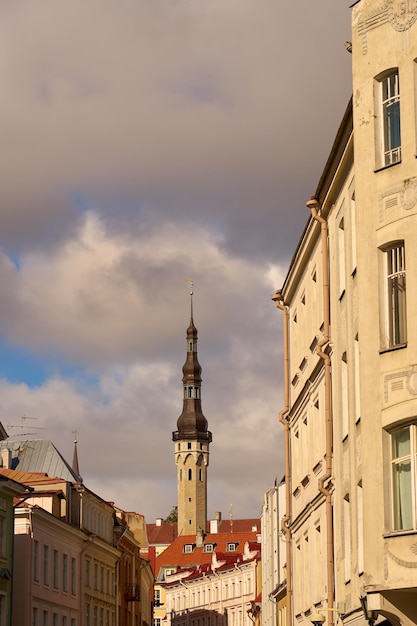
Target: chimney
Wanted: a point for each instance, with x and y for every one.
(6, 458)
(199, 538)
(158, 521)
(218, 516)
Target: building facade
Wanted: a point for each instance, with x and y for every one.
(273, 557)
(220, 593)
(350, 349)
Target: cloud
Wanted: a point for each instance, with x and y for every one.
(147, 141)
(215, 111)
(106, 296)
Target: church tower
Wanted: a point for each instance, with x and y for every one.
(191, 441)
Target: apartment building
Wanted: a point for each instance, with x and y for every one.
(348, 304)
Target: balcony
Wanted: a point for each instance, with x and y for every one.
(132, 592)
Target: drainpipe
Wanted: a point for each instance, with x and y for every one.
(283, 418)
(314, 207)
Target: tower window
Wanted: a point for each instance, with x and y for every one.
(189, 445)
(190, 392)
(201, 474)
(190, 474)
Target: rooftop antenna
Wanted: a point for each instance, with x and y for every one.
(23, 426)
(191, 283)
(231, 517)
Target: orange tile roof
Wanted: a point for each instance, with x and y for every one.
(161, 535)
(174, 555)
(165, 533)
(29, 478)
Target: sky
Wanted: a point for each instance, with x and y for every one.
(145, 142)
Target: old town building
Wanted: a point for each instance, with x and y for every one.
(347, 303)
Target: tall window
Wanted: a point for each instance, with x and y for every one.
(404, 465)
(73, 576)
(391, 130)
(395, 311)
(45, 565)
(36, 560)
(55, 569)
(65, 572)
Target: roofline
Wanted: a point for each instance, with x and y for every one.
(341, 142)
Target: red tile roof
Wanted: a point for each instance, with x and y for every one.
(161, 535)
(165, 533)
(174, 555)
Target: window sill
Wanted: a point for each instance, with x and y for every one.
(386, 167)
(399, 533)
(400, 346)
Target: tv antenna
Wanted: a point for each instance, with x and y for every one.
(23, 427)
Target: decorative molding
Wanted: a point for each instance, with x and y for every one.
(404, 196)
(397, 380)
(398, 561)
(400, 13)
(374, 19)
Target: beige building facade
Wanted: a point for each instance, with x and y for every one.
(350, 349)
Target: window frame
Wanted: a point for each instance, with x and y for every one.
(388, 118)
(410, 458)
(394, 290)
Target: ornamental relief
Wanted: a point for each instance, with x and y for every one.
(403, 197)
(400, 385)
(400, 13)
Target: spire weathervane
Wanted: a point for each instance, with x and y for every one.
(191, 283)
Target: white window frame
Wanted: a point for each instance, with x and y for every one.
(394, 305)
(389, 118)
(209, 547)
(404, 513)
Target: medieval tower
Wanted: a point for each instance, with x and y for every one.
(192, 440)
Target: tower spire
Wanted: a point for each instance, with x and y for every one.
(75, 467)
(192, 439)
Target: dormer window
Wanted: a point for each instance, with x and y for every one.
(209, 547)
(232, 547)
(188, 548)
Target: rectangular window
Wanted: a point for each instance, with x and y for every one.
(394, 308)
(65, 572)
(35, 617)
(157, 597)
(45, 565)
(45, 618)
(390, 118)
(36, 560)
(403, 463)
(55, 570)
(73, 575)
